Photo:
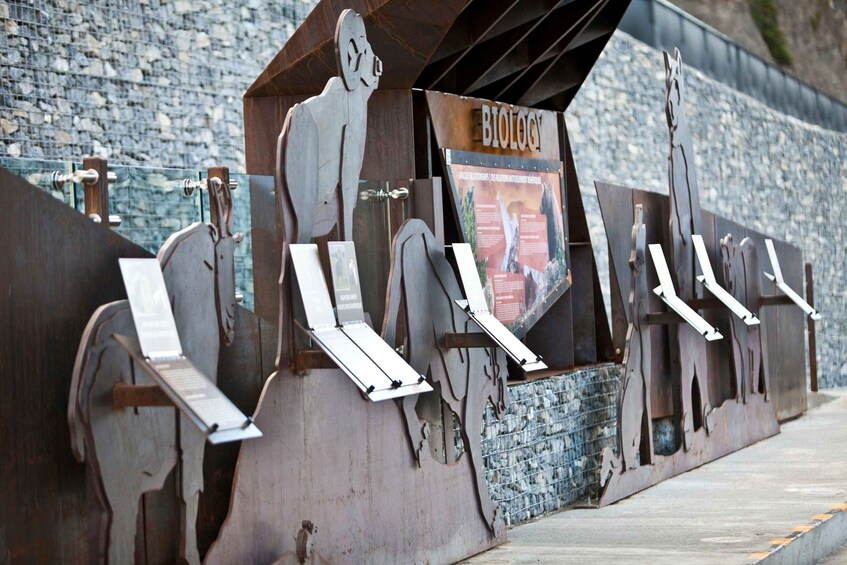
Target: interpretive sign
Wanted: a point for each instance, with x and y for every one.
(510, 212)
(345, 282)
(478, 311)
(667, 293)
(375, 368)
(162, 358)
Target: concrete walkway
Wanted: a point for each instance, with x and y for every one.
(728, 511)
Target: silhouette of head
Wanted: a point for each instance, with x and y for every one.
(357, 64)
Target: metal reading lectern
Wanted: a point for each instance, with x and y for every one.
(378, 371)
(162, 358)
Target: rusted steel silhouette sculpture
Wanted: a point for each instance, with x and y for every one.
(468, 378)
(706, 433)
(749, 352)
(635, 425)
(322, 144)
(686, 219)
(130, 451)
(320, 152)
(323, 444)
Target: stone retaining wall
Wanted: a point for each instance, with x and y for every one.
(544, 454)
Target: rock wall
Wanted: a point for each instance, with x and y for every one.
(160, 84)
(544, 453)
(152, 82)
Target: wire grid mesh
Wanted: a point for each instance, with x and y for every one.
(152, 205)
(157, 82)
(544, 453)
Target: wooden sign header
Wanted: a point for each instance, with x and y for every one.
(510, 127)
(483, 126)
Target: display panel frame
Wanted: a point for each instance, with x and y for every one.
(504, 171)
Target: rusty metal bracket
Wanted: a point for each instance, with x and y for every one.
(464, 340)
(130, 396)
(774, 300)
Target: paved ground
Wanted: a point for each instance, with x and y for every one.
(722, 512)
(837, 558)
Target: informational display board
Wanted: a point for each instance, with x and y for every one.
(373, 365)
(509, 209)
(161, 357)
(345, 282)
(479, 313)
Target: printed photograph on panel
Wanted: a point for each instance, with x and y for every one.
(514, 221)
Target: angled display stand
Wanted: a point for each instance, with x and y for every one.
(710, 282)
(777, 278)
(477, 309)
(357, 350)
(666, 292)
(159, 352)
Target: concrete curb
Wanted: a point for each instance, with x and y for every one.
(808, 543)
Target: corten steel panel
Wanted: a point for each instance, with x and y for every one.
(656, 212)
(59, 268)
(389, 150)
(241, 375)
(517, 51)
(788, 370)
(404, 33)
(735, 423)
(723, 358)
(784, 323)
(454, 122)
(321, 460)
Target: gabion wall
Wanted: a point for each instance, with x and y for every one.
(544, 454)
(159, 83)
(151, 82)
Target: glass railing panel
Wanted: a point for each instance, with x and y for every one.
(152, 203)
(41, 173)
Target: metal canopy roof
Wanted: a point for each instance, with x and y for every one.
(528, 52)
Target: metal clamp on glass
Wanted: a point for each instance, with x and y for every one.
(383, 194)
(82, 176)
(189, 186)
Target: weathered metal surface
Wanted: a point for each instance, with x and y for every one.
(97, 193)
(748, 342)
(813, 348)
(635, 423)
(131, 451)
(689, 357)
(518, 51)
(59, 267)
(747, 391)
(322, 144)
(784, 288)
(423, 282)
(310, 462)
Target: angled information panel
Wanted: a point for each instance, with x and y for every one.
(161, 357)
(710, 282)
(375, 368)
(776, 277)
(477, 308)
(667, 293)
